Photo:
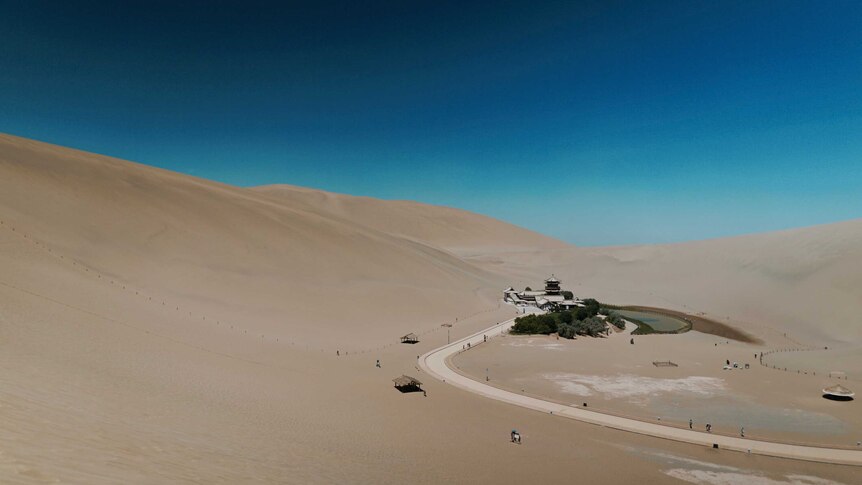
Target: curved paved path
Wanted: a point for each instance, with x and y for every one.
(435, 364)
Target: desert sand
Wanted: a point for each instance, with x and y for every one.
(157, 327)
(615, 377)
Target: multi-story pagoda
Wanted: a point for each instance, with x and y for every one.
(552, 286)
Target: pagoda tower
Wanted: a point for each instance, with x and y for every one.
(552, 286)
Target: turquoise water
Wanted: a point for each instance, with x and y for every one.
(660, 323)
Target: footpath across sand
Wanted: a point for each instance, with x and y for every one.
(436, 364)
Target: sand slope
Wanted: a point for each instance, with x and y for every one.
(454, 230)
(156, 327)
(274, 268)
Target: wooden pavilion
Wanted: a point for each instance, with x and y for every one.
(406, 383)
(410, 338)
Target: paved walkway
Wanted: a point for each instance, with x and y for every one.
(435, 364)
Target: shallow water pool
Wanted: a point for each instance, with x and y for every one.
(658, 322)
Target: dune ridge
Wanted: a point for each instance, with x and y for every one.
(232, 251)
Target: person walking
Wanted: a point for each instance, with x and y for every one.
(708, 428)
(378, 363)
(742, 432)
(690, 424)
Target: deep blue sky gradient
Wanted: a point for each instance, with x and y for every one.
(594, 122)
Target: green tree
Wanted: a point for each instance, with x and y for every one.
(593, 305)
(616, 321)
(582, 313)
(566, 331)
(594, 327)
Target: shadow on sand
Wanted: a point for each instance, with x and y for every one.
(410, 388)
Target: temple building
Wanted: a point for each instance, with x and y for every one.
(551, 299)
(552, 286)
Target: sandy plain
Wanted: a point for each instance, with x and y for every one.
(160, 328)
(614, 376)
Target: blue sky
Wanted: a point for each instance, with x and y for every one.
(594, 122)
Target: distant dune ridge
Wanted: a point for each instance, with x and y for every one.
(264, 252)
(277, 265)
(155, 326)
(806, 282)
(453, 230)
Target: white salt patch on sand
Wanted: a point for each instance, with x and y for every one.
(536, 343)
(706, 473)
(682, 461)
(710, 477)
(575, 388)
(629, 385)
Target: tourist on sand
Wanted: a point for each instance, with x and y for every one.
(708, 428)
(742, 431)
(378, 363)
(690, 424)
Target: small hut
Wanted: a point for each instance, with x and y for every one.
(410, 338)
(838, 393)
(406, 383)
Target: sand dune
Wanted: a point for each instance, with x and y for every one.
(447, 228)
(156, 327)
(278, 269)
(804, 282)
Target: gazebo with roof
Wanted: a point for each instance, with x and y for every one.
(838, 393)
(410, 338)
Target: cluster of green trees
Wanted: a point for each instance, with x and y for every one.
(566, 324)
(616, 321)
(613, 318)
(591, 326)
(531, 324)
